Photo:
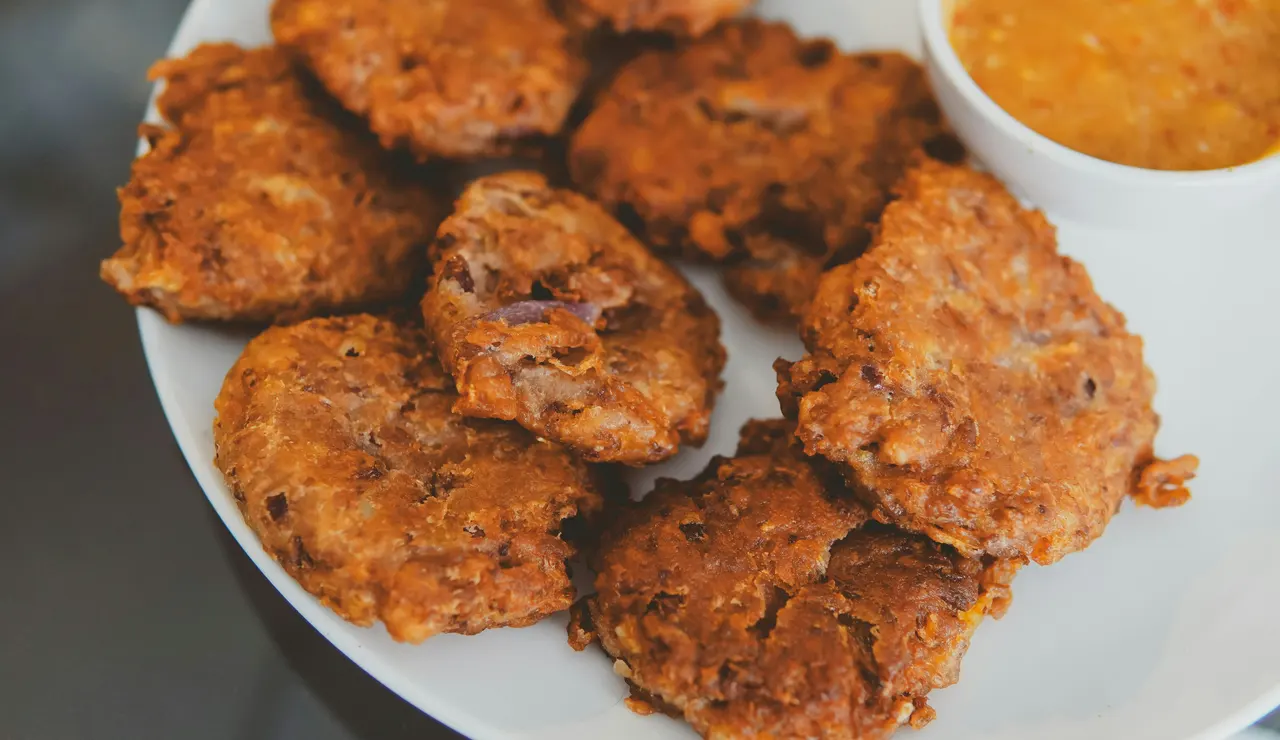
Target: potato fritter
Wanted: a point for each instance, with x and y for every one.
(256, 204)
(760, 149)
(337, 439)
(679, 17)
(444, 78)
(757, 601)
(547, 311)
(969, 379)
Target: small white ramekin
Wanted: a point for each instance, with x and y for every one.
(1065, 182)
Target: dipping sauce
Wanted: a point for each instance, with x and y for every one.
(1162, 84)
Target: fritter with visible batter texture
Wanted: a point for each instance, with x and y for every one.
(756, 601)
(548, 312)
(760, 149)
(968, 378)
(678, 17)
(446, 78)
(258, 204)
(337, 438)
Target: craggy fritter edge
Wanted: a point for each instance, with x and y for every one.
(827, 327)
(376, 91)
(680, 18)
(925, 668)
(568, 323)
(419, 597)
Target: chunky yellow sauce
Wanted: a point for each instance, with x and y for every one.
(1162, 84)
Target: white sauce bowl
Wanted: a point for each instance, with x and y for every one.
(1066, 183)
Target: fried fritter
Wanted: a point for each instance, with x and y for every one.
(760, 149)
(446, 78)
(968, 378)
(757, 601)
(257, 204)
(1163, 483)
(679, 17)
(337, 439)
(548, 312)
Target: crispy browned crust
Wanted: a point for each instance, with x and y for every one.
(548, 312)
(1163, 483)
(970, 380)
(679, 17)
(256, 204)
(754, 147)
(337, 439)
(447, 78)
(756, 601)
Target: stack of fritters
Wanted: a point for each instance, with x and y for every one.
(963, 382)
(758, 601)
(967, 402)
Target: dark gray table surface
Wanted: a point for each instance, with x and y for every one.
(126, 611)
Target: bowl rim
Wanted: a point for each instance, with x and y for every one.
(937, 45)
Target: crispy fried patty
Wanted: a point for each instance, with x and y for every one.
(757, 601)
(259, 202)
(679, 17)
(968, 378)
(548, 312)
(339, 443)
(444, 78)
(758, 148)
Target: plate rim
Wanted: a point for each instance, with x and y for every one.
(150, 326)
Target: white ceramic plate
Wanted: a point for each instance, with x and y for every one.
(1165, 628)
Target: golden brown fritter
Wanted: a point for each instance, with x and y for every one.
(454, 79)
(760, 149)
(257, 204)
(337, 438)
(969, 379)
(679, 17)
(757, 601)
(547, 311)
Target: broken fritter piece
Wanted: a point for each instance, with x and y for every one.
(758, 601)
(968, 379)
(258, 203)
(679, 17)
(547, 311)
(338, 440)
(444, 78)
(753, 147)
(1163, 483)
